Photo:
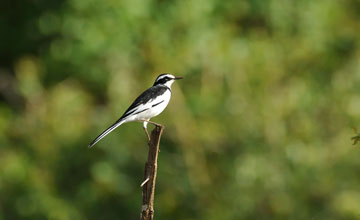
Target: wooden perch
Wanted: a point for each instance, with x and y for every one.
(147, 208)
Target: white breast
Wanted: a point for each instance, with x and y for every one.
(156, 110)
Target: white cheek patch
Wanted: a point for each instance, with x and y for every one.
(169, 83)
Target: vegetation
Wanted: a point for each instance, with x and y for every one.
(259, 128)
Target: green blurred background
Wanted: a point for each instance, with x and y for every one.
(259, 128)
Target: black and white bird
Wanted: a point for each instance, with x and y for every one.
(149, 104)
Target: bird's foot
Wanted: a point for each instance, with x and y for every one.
(156, 124)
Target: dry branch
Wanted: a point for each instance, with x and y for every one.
(147, 208)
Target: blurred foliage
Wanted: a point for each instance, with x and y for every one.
(259, 128)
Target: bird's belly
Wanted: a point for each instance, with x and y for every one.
(152, 112)
(158, 109)
(155, 109)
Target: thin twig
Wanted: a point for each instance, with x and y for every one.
(147, 208)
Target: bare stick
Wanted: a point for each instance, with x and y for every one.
(147, 208)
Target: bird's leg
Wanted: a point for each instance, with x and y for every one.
(145, 124)
(145, 129)
(147, 134)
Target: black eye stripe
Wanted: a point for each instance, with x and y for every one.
(165, 79)
(162, 79)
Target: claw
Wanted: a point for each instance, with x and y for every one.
(156, 124)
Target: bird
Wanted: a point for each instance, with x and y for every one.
(146, 106)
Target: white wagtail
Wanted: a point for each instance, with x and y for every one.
(149, 104)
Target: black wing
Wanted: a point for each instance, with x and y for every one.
(144, 98)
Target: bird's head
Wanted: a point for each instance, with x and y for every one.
(166, 79)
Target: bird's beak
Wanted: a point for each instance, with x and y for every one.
(178, 77)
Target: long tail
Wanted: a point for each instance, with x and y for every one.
(106, 132)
